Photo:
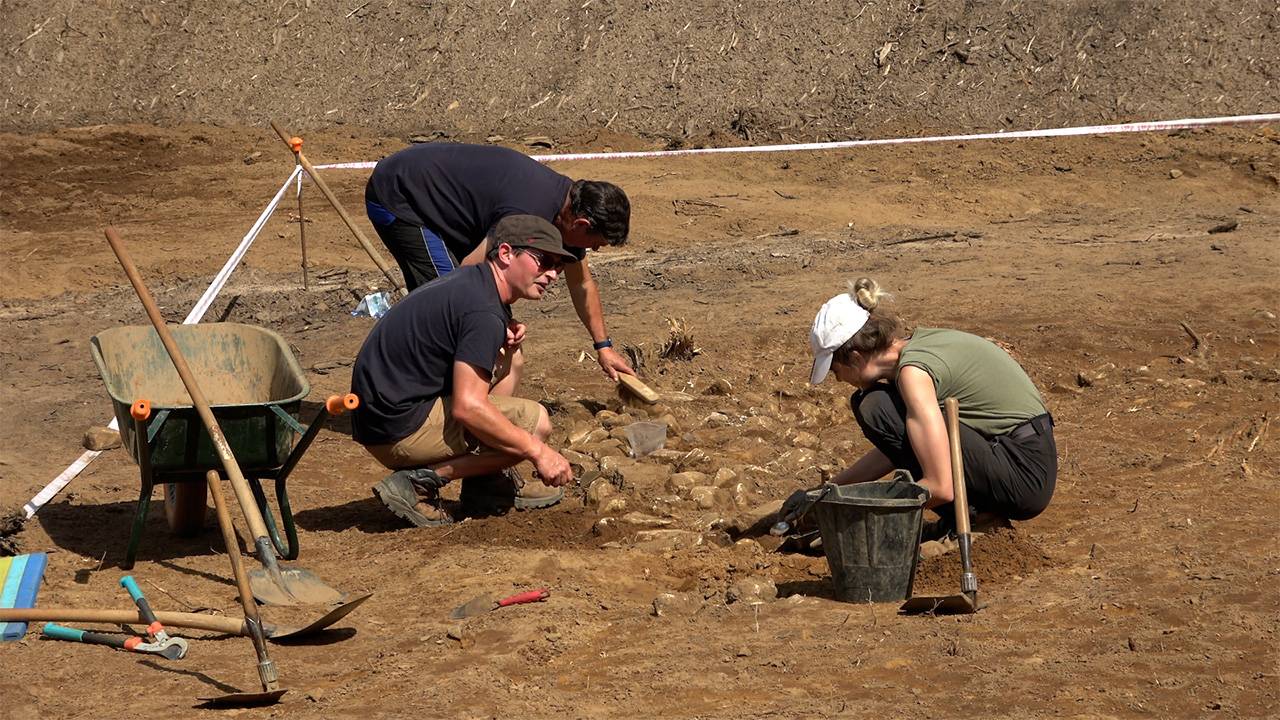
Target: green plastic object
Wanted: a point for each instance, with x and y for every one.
(128, 583)
(243, 370)
(871, 537)
(60, 632)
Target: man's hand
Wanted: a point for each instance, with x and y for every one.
(552, 467)
(515, 334)
(612, 362)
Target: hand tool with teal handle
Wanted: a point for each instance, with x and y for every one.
(132, 643)
(154, 628)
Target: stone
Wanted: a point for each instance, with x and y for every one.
(1064, 389)
(581, 463)
(646, 477)
(665, 539)
(605, 415)
(640, 519)
(724, 477)
(760, 426)
(673, 425)
(618, 420)
(1175, 173)
(101, 438)
(619, 434)
(716, 420)
(693, 459)
(803, 439)
(578, 433)
(676, 604)
(666, 455)
(613, 506)
(752, 590)
(599, 491)
(755, 521)
(797, 458)
(593, 435)
(719, 386)
(709, 497)
(681, 483)
(601, 450)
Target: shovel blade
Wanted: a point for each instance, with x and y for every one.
(329, 618)
(946, 605)
(478, 606)
(244, 699)
(292, 586)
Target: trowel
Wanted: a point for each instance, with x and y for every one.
(485, 603)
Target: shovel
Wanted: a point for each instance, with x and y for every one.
(486, 603)
(966, 603)
(275, 584)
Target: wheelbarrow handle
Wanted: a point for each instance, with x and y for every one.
(140, 410)
(338, 404)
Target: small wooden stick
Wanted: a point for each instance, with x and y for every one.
(1197, 344)
(295, 143)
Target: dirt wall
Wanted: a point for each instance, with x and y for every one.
(684, 72)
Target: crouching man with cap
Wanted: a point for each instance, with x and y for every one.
(429, 379)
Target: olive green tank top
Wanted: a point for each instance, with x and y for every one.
(994, 391)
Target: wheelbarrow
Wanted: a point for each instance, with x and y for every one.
(255, 388)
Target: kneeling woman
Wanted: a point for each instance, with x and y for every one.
(1006, 434)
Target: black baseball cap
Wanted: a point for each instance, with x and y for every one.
(531, 231)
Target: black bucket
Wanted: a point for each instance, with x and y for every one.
(871, 536)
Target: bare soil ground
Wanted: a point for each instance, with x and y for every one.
(1146, 589)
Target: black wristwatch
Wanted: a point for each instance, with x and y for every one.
(605, 343)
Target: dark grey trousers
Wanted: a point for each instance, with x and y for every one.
(1011, 475)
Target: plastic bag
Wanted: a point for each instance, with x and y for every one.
(374, 305)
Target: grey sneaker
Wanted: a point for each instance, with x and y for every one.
(399, 491)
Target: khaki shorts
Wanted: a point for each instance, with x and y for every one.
(441, 437)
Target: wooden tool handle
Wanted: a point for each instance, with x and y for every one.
(194, 621)
(957, 466)
(338, 208)
(247, 502)
(639, 389)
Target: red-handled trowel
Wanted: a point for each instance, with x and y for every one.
(485, 603)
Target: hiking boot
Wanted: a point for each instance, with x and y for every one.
(506, 490)
(410, 500)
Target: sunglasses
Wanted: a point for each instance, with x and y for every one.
(546, 262)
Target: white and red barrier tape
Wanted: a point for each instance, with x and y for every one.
(1152, 126)
(201, 306)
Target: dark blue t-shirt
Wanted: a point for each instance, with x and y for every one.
(406, 363)
(460, 191)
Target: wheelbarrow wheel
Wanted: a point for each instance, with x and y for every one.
(185, 507)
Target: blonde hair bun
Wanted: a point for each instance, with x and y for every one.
(867, 292)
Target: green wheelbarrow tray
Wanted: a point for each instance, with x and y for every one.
(255, 388)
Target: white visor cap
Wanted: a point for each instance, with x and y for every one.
(838, 320)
